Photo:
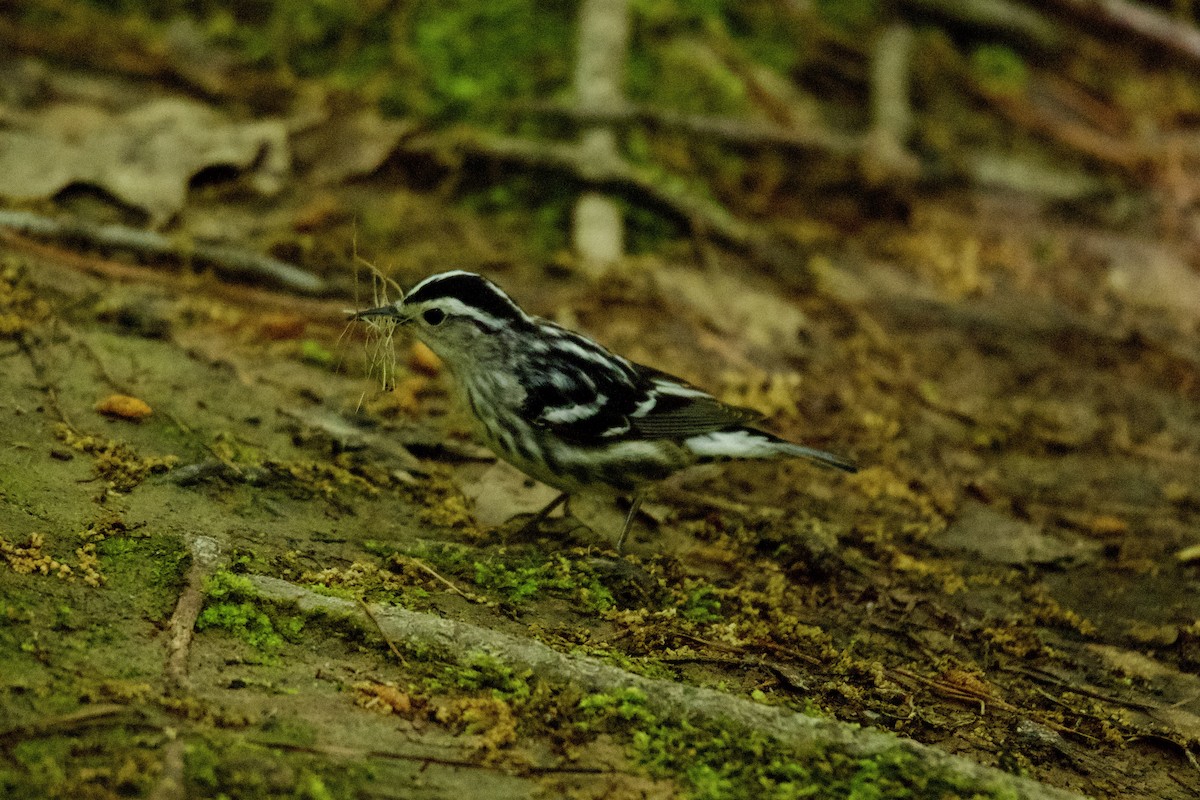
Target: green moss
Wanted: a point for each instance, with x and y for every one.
(312, 787)
(109, 762)
(628, 704)
(702, 605)
(227, 611)
(536, 574)
(646, 667)
(229, 766)
(484, 671)
(200, 764)
(720, 763)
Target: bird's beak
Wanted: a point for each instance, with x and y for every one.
(382, 311)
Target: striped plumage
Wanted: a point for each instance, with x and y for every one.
(565, 410)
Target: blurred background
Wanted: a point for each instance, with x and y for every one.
(773, 131)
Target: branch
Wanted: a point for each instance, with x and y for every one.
(614, 175)
(1150, 26)
(227, 262)
(1022, 25)
(183, 621)
(738, 132)
(457, 641)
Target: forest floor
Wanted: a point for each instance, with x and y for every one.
(1012, 577)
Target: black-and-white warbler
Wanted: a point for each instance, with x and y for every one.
(566, 411)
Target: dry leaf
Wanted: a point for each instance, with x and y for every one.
(123, 406)
(144, 157)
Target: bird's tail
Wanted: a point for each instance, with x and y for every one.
(818, 457)
(753, 443)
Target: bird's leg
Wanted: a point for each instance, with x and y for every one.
(540, 517)
(633, 510)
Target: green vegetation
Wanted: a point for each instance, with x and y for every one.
(538, 573)
(452, 61)
(226, 610)
(483, 671)
(230, 766)
(702, 605)
(999, 68)
(719, 763)
(317, 354)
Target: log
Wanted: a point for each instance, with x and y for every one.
(458, 641)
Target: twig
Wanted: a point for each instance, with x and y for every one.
(613, 175)
(65, 723)
(1042, 677)
(228, 262)
(457, 641)
(421, 565)
(391, 646)
(315, 310)
(1113, 151)
(97, 361)
(39, 372)
(205, 552)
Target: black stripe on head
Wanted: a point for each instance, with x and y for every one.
(473, 290)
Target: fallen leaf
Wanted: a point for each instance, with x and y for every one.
(123, 406)
(349, 146)
(501, 492)
(145, 157)
(382, 697)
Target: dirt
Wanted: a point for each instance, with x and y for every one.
(1008, 578)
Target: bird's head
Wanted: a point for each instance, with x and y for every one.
(455, 313)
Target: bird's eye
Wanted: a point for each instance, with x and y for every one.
(434, 316)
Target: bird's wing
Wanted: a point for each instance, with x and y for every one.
(594, 401)
(582, 400)
(674, 409)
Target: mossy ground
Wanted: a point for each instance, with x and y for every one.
(832, 597)
(846, 597)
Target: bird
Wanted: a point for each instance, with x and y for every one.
(565, 410)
